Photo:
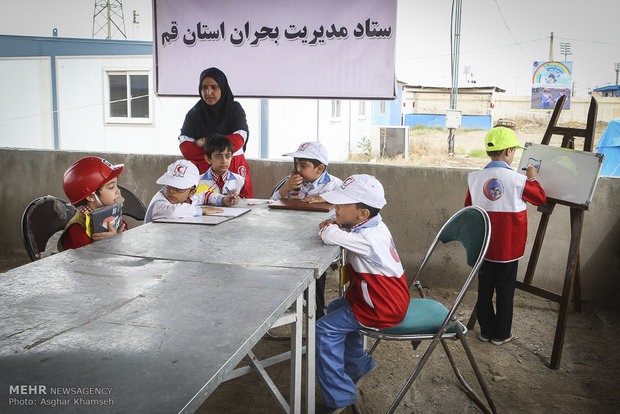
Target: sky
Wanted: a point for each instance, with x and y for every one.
(500, 39)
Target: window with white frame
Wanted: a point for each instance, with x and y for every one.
(336, 109)
(127, 97)
(381, 107)
(362, 109)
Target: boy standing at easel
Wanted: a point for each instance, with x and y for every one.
(503, 193)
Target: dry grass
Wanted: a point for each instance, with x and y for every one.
(429, 146)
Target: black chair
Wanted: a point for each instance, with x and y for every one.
(44, 217)
(132, 206)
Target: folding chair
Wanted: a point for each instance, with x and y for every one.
(132, 206)
(430, 320)
(41, 220)
(279, 185)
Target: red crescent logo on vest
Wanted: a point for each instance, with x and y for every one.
(493, 189)
(393, 250)
(242, 171)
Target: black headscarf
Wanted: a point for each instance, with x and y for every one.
(225, 117)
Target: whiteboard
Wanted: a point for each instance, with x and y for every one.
(565, 175)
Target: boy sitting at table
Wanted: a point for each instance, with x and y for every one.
(218, 178)
(90, 183)
(309, 178)
(377, 296)
(178, 198)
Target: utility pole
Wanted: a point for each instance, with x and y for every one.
(617, 67)
(551, 47)
(455, 44)
(135, 24)
(565, 49)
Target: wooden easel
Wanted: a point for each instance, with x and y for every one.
(572, 276)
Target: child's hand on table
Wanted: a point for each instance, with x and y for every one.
(210, 210)
(313, 199)
(111, 232)
(326, 223)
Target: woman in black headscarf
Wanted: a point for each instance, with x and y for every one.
(216, 112)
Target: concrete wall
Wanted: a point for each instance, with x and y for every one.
(420, 200)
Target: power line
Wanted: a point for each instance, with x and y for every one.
(508, 27)
(590, 41)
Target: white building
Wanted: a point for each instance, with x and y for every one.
(98, 95)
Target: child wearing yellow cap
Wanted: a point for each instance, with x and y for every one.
(503, 193)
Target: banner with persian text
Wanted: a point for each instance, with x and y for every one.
(278, 48)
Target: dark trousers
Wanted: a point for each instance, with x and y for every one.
(498, 278)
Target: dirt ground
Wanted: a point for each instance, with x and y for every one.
(429, 146)
(517, 373)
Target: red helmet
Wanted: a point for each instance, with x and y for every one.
(87, 175)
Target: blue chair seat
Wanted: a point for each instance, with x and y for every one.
(424, 316)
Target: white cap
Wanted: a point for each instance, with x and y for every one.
(358, 188)
(181, 174)
(313, 150)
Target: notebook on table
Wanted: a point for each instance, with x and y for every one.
(212, 219)
(295, 204)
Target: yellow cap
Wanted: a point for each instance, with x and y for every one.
(500, 138)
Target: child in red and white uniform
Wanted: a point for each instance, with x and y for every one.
(178, 198)
(310, 178)
(377, 296)
(308, 181)
(219, 178)
(90, 183)
(503, 193)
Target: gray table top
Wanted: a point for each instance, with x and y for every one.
(160, 333)
(262, 237)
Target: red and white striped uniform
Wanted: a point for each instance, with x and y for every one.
(503, 193)
(378, 291)
(238, 164)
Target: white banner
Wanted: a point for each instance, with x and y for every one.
(278, 48)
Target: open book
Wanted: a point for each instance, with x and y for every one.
(212, 219)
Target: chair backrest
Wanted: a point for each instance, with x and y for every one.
(132, 206)
(279, 185)
(471, 227)
(42, 218)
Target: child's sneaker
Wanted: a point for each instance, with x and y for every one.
(501, 341)
(483, 338)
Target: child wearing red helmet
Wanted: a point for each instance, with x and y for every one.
(90, 183)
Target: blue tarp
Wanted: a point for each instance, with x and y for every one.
(609, 144)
